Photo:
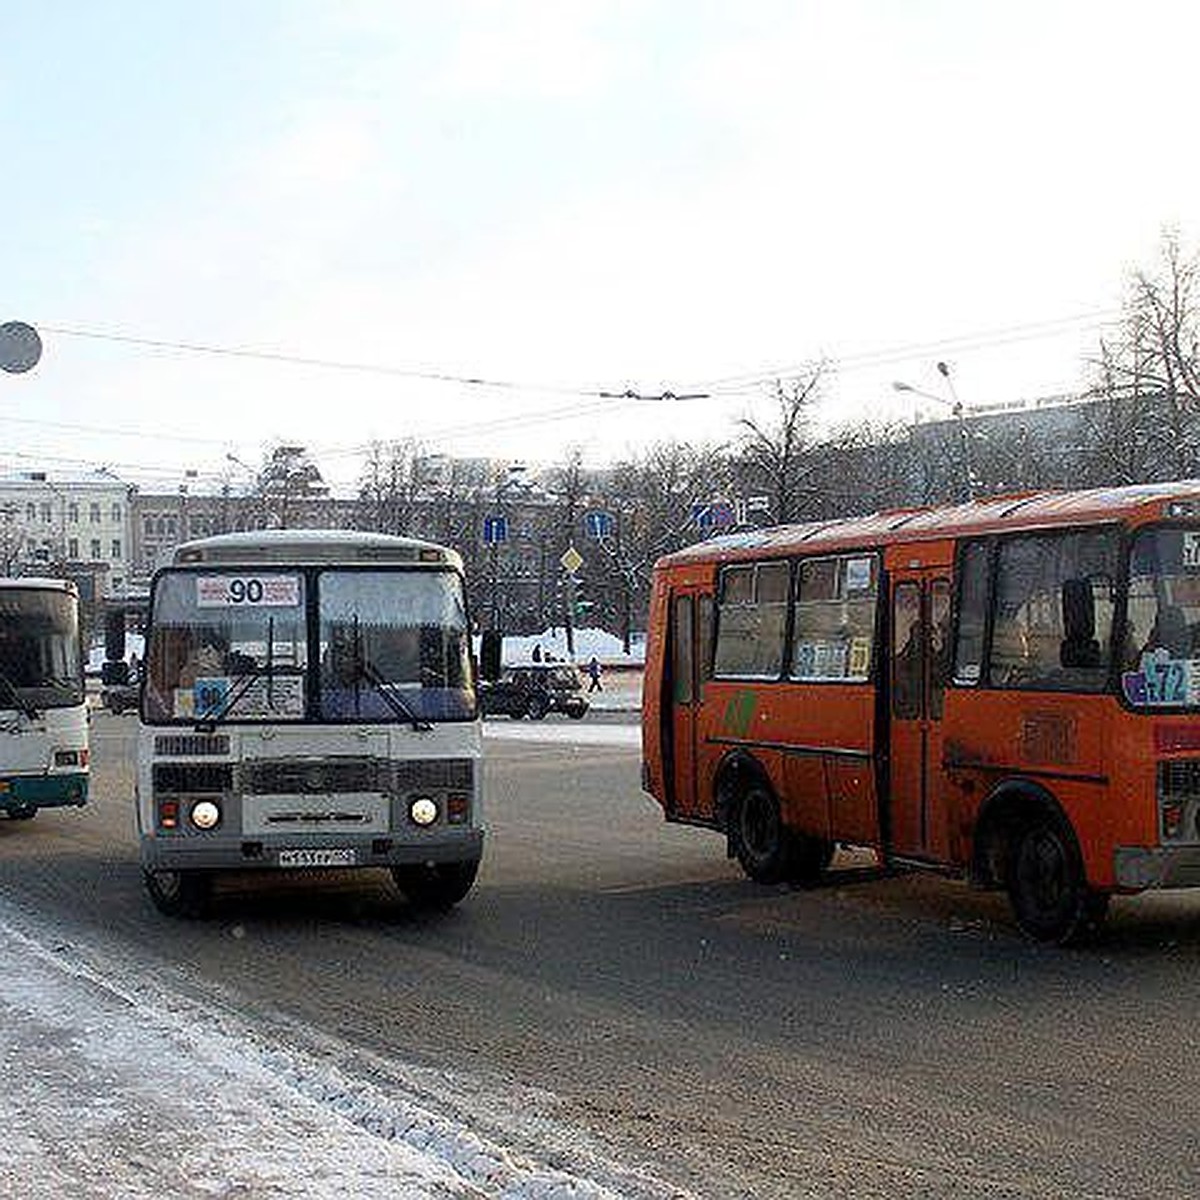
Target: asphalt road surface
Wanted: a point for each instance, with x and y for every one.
(614, 991)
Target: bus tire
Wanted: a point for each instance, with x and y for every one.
(1047, 886)
(763, 844)
(22, 812)
(180, 893)
(436, 887)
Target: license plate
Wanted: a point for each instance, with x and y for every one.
(343, 856)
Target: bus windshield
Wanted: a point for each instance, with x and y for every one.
(1161, 661)
(40, 663)
(393, 645)
(234, 645)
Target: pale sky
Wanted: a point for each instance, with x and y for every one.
(564, 197)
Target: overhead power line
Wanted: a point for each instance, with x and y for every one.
(595, 401)
(328, 364)
(890, 356)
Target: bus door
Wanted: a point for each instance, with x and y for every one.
(920, 624)
(690, 636)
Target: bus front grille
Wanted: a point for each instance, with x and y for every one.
(291, 777)
(182, 779)
(330, 776)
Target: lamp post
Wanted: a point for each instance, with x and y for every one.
(967, 480)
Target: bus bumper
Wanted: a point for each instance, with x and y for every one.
(1140, 867)
(43, 791)
(250, 854)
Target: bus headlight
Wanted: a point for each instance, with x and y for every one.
(423, 811)
(205, 814)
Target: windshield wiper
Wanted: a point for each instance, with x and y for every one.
(9, 689)
(207, 722)
(365, 669)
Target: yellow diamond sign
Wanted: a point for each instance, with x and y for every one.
(571, 560)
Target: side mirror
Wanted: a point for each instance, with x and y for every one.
(490, 647)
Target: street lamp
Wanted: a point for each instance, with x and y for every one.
(956, 408)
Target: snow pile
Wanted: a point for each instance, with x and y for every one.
(589, 643)
(117, 1083)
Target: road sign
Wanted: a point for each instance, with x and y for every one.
(571, 560)
(598, 524)
(20, 347)
(495, 530)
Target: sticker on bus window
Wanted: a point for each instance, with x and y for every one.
(860, 656)
(1191, 550)
(858, 575)
(248, 591)
(1162, 679)
(209, 695)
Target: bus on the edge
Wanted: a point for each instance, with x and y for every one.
(43, 710)
(308, 701)
(1007, 689)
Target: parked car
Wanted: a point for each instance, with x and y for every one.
(533, 691)
(120, 690)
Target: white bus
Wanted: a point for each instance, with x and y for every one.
(308, 700)
(43, 710)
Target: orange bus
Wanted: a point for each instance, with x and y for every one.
(1007, 689)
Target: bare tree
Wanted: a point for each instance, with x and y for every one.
(776, 458)
(390, 486)
(1147, 376)
(287, 480)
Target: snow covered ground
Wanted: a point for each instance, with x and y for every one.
(120, 1081)
(577, 733)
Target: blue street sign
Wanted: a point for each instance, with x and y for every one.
(495, 529)
(598, 524)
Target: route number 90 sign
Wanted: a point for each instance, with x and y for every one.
(248, 591)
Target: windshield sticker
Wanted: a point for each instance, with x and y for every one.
(823, 660)
(209, 697)
(1191, 550)
(860, 656)
(248, 591)
(858, 575)
(1163, 680)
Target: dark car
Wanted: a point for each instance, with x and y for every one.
(533, 691)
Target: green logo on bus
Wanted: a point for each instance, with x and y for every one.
(739, 712)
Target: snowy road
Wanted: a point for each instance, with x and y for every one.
(564, 732)
(117, 1084)
(613, 1011)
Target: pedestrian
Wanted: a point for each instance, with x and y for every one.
(593, 670)
(537, 652)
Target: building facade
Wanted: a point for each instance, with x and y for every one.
(71, 526)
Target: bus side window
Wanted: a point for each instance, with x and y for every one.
(681, 658)
(704, 636)
(908, 652)
(974, 580)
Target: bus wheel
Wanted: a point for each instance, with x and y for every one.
(762, 842)
(436, 886)
(22, 812)
(180, 893)
(1047, 886)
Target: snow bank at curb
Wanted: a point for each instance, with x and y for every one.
(97, 1048)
